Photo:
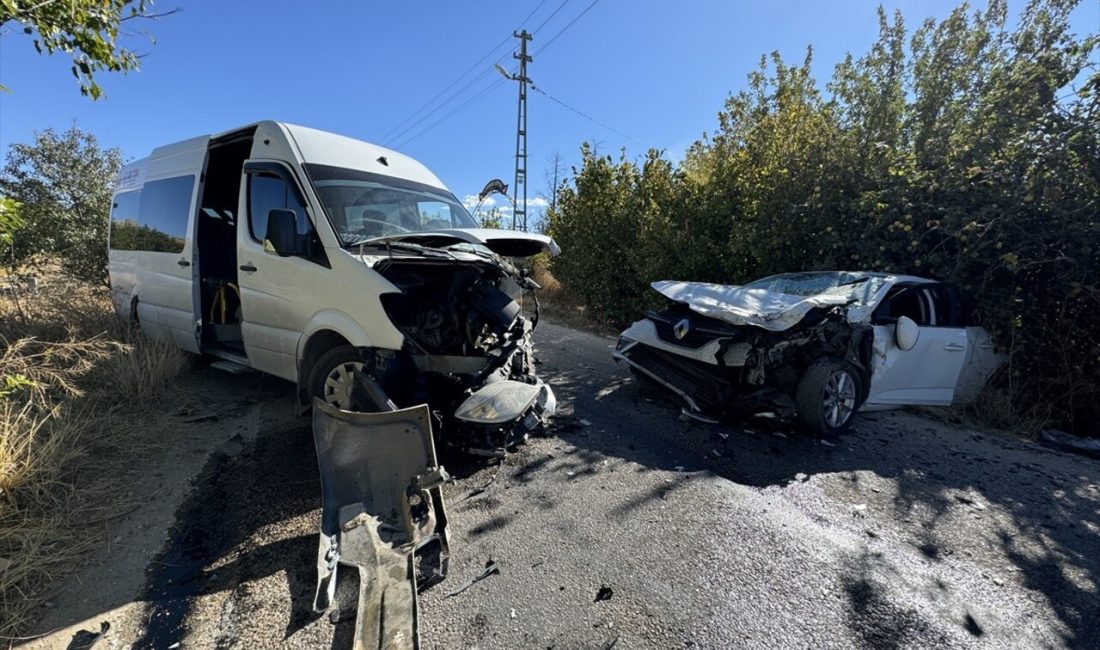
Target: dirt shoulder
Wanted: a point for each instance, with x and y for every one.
(216, 414)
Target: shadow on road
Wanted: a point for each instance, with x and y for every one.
(953, 490)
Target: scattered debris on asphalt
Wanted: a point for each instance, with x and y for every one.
(1069, 442)
(481, 490)
(83, 639)
(605, 593)
(490, 568)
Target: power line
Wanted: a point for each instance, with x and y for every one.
(415, 113)
(443, 104)
(586, 116)
(563, 29)
(454, 112)
(393, 133)
(534, 11)
(552, 14)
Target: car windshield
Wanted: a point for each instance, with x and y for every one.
(361, 205)
(853, 287)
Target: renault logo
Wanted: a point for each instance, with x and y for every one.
(681, 329)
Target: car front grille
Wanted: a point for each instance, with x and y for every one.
(701, 330)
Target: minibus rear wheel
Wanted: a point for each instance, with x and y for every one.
(333, 376)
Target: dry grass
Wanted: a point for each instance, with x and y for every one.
(72, 381)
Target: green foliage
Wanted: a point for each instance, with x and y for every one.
(86, 30)
(12, 384)
(961, 151)
(10, 221)
(492, 218)
(63, 182)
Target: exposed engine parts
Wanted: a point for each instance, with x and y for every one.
(465, 332)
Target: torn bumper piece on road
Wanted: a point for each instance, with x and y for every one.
(382, 512)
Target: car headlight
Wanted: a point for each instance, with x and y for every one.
(499, 402)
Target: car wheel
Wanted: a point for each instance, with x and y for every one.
(827, 397)
(331, 379)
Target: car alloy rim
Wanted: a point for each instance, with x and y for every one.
(339, 382)
(840, 398)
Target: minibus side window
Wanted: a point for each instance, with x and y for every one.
(153, 219)
(124, 221)
(268, 191)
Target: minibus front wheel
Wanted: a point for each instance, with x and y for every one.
(333, 376)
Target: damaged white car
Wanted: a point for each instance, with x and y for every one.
(818, 345)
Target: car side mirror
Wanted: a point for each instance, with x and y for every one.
(282, 232)
(906, 333)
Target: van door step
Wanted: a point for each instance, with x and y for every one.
(230, 367)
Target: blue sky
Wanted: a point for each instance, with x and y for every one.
(654, 70)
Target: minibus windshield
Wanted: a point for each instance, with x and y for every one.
(361, 205)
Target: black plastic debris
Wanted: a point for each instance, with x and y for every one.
(490, 568)
(1068, 442)
(604, 593)
(83, 639)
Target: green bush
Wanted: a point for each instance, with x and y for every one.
(965, 151)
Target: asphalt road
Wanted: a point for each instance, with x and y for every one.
(909, 532)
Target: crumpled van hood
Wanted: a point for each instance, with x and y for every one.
(508, 243)
(769, 310)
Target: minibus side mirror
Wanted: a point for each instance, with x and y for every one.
(282, 232)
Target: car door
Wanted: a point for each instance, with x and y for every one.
(929, 372)
(982, 360)
(277, 292)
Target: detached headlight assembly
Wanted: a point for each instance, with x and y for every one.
(499, 403)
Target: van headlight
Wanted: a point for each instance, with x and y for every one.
(500, 402)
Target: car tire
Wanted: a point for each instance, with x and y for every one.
(828, 396)
(329, 377)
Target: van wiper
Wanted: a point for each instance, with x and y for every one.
(389, 244)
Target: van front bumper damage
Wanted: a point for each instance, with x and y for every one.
(382, 508)
(382, 512)
(468, 350)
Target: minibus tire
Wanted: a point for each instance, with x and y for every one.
(341, 355)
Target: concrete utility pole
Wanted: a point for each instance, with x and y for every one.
(519, 187)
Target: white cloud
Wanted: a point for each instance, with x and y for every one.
(534, 204)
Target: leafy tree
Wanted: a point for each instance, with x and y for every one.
(87, 30)
(63, 182)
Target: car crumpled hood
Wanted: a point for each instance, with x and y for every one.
(769, 310)
(508, 243)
